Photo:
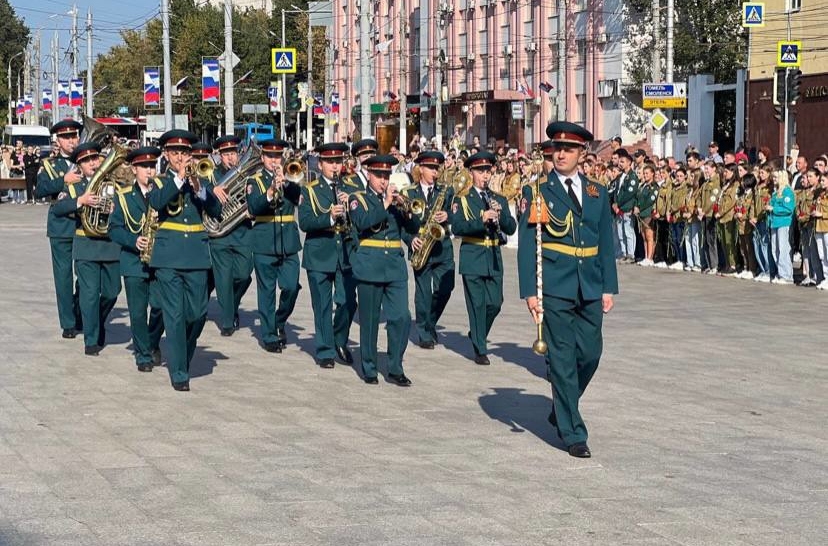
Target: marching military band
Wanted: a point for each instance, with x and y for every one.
(159, 232)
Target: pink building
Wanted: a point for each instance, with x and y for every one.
(503, 63)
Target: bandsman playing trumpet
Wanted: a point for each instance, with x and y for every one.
(126, 229)
(272, 201)
(480, 218)
(574, 271)
(380, 216)
(434, 281)
(232, 255)
(181, 255)
(329, 244)
(96, 258)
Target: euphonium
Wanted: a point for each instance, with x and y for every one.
(431, 231)
(95, 220)
(461, 182)
(148, 229)
(510, 188)
(234, 182)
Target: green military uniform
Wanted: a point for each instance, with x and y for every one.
(481, 263)
(181, 258)
(327, 259)
(382, 275)
(706, 197)
(96, 262)
(60, 230)
(232, 266)
(645, 200)
(126, 223)
(578, 268)
(275, 243)
(626, 193)
(726, 225)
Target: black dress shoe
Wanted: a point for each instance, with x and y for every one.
(400, 380)
(227, 332)
(344, 355)
(236, 321)
(482, 360)
(156, 357)
(184, 386)
(371, 380)
(426, 345)
(580, 450)
(144, 367)
(281, 337)
(326, 363)
(69, 333)
(92, 350)
(272, 347)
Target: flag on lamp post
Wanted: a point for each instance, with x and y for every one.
(63, 93)
(210, 80)
(524, 89)
(76, 93)
(152, 86)
(46, 99)
(27, 103)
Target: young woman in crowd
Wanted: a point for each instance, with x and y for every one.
(780, 212)
(744, 212)
(643, 210)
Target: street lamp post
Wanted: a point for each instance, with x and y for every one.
(9, 85)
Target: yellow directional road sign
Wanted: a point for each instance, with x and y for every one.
(663, 102)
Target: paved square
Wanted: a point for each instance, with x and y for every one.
(707, 420)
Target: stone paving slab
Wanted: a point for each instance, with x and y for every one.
(707, 426)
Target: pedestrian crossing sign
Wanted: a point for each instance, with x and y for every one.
(753, 14)
(788, 54)
(283, 60)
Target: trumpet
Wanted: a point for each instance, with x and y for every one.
(295, 171)
(407, 204)
(202, 169)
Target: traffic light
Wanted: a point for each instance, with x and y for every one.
(779, 83)
(292, 100)
(778, 112)
(794, 81)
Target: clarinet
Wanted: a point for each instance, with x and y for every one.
(492, 225)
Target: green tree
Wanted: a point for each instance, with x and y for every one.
(14, 38)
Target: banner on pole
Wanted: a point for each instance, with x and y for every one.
(76, 93)
(27, 103)
(152, 87)
(210, 80)
(63, 93)
(46, 99)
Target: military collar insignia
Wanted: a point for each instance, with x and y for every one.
(591, 190)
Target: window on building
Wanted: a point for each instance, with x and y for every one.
(579, 5)
(793, 5)
(581, 105)
(580, 52)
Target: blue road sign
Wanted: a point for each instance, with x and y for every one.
(753, 14)
(655, 90)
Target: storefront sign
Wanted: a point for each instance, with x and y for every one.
(477, 96)
(517, 109)
(816, 92)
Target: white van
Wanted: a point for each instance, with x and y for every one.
(31, 135)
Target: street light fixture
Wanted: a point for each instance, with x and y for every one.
(9, 83)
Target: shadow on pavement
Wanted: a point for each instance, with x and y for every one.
(521, 412)
(204, 361)
(520, 355)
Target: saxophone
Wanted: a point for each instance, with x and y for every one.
(148, 229)
(431, 231)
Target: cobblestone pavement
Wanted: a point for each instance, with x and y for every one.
(707, 426)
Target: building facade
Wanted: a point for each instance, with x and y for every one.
(504, 68)
(806, 118)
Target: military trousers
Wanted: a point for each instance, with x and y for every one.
(433, 285)
(728, 236)
(99, 284)
(232, 269)
(572, 330)
(391, 299)
(182, 295)
(710, 245)
(484, 298)
(327, 289)
(274, 272)
(146, 327)
(66, 288)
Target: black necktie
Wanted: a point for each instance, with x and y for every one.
(428, 194)
(572, 195)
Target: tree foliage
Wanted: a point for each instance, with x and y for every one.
(14, 38)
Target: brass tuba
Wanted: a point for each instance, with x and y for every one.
(461, 182)
(95, 131)
(510, 188)
(234, 182)
(95, 220)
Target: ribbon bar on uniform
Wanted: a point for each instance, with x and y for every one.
(275, 219)
(376, 243)
(481, 242)
(577, 251)
(172, 226)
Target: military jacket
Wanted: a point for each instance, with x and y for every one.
(663, 196)
(275, 232)
(708, 195)
(85, 246)
(678, 202)
(727, 202)
(584, 260)
(379, 257)
(626, 191)
(479, 250)
(239, 236)
(761, 199)
(645, 200)
(804, 202)
(49, 185)
(356, 182)
(181, 241)
(443, 250)
(125, 227)
(821, 205)
(324, 248)
(744, 206)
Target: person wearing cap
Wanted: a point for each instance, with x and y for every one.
(435, 281)
(202, 150)
(577, 271)
(713, 153)
(380, 269)
(362, 150)
(329, 244)
(274, 238)
(181, 254)
(55, 174)
(626, 194)
(480, 218)
(231, 254)
(96, 258)
(126, 228)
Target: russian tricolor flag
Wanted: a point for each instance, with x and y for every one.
(19, 108)
(63, 93)
(27, 103)
(76, 93)
(46, 99)
(210, 80)
(152, 86)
